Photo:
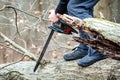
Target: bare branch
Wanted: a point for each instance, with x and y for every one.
(25, 52)
(1, 9)
(9, 6)
(33, 3)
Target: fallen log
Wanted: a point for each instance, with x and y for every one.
(106, 33)
(58, 69)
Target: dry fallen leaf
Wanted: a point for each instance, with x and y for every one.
(37, 13)
(69, 43)
(54, 54)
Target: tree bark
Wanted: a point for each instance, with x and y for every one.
(106, 34)
(59, 69)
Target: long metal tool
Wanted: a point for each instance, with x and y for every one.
(44, 49)
(63, 28)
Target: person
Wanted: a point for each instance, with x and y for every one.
(81, 9)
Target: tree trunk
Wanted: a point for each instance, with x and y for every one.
(109, 9)
(106, 34)
(59, 69)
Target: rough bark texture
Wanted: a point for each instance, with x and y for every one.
(59, 69)
(109, 30)
(106, 34)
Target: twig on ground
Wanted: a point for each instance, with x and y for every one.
(12, 63)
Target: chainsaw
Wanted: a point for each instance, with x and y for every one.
(60, 27)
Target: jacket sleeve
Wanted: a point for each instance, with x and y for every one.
(62, 7)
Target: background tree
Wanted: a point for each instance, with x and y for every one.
(109, 9)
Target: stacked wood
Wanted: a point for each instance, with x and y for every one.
(106, 33)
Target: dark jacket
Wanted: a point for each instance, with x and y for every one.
(79, 8)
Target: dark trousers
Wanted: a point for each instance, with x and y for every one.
(83, 47)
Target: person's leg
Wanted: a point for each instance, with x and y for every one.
(82, 49)
(92, 57)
